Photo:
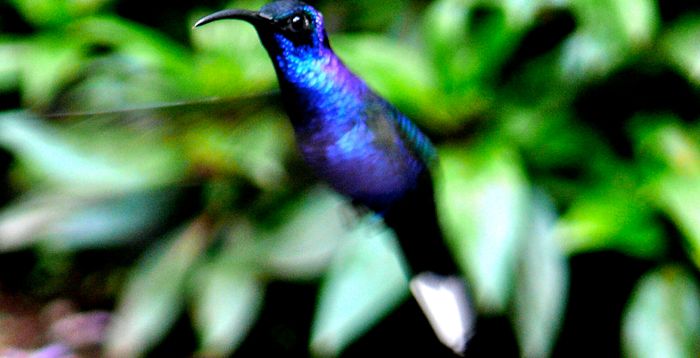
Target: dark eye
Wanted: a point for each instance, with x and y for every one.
(299, 23)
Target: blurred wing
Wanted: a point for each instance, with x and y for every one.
(389, 124)
(215, 107)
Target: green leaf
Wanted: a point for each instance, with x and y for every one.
(521, 14)
(102, 222)
(679, 197)
(445, 27)
(663, 316)
(665, 140)
(637, 20)
(227, 296)
(153, 297)
(56, 12)
(482, 195)
(616, 214)
(585, 56)
(44, 152)
(10, 64)
(541, 284)
(67, 221)
(152, 50)
(313, 230)
(459, 65)
(226, 308)
(681, 44)
(137, 66)
(608, 31)
(46, 12)
(255, 147)
(23, 222)
(364, 283)
(48, 62)
(624, 22)
(673, 157)
(51, 157)
(230, 68)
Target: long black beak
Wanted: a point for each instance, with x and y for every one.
(252, 17)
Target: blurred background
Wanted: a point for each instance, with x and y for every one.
(153, 201)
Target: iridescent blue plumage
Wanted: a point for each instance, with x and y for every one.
(350, 136)
(362, 146)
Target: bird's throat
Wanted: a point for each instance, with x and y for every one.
(318, 86)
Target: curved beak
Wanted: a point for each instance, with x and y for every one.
(253, 17)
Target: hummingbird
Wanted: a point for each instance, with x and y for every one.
(367, 150)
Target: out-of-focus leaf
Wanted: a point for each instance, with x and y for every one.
(56, 12)
(139, 65)
(66, 221)
(466, 45)
(230, 59)
(522, 13)
(154, 50)
(153, 299)
(229, 303)
(664, 139)
(663, 316)
(586, 56)
(22, 223)
(108, 221)
(227, 296)
(304, 245)
(136, 65)
(613, 215)
(541, 285)
(492, 39)
(10, 64)
(679, 196)
(364, 283)
(367, 15)
(255, 148)
(43, 151)
(48, 61)
(550, 137)
(681, 44)
(608, 30)
(51, 157)
(624, 22)
(482, 195)
(674, 175)
(462, 57)
(638, 19)
(47, 12)
(445, 26)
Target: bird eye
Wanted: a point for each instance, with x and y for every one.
(299, 23)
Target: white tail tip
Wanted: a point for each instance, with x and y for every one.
(444, 302)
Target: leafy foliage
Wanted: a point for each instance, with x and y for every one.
(564, 128)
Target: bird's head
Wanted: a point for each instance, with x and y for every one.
(285, 27)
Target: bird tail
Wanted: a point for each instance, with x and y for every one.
(436, 284)
(445, 304)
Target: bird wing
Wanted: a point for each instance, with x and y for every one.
(388, 124)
